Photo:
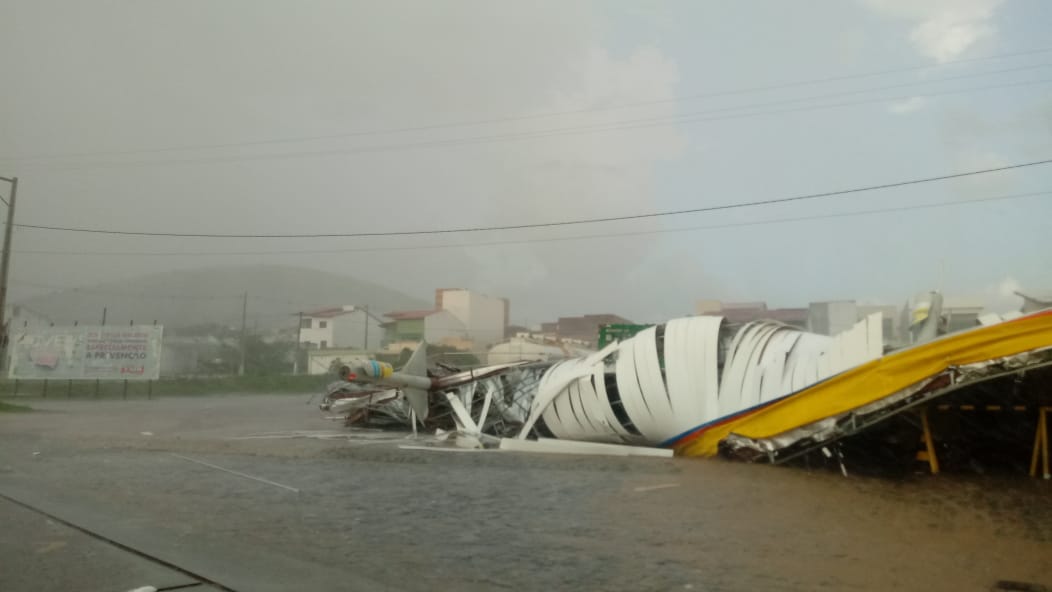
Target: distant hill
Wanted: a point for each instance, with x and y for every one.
(213, 295)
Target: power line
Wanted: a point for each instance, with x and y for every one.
(513, 118)
(127, 294)
(146, 295)
(542, 240)
(630, 124)
(840, 192)
(497, 243)
(165, 296)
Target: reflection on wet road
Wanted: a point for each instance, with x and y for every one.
(369, 515)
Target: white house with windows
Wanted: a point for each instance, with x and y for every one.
(343, 327)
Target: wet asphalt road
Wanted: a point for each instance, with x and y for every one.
(40, 553)
(363, 514)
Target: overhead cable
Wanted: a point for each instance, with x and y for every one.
(732, 206)
(531, 116)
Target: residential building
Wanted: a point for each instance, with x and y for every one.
(960, 314)
(484, 317)
(889, 316)
(708, 307)
(795, 317)
(744, 312)
(832, 317)
(756, 305)
(514, 330)
(405, 325)
(340, 327)
(826, 318)
(584, 329)
(836, 316)
(407, 328)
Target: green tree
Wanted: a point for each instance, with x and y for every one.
(267, 359)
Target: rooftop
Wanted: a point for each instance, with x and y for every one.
(328, 313)
(408, 315)
(784, 315)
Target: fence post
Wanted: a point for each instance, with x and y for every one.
(45, 388)
(149, 383)
(69, 385)
(125, 395)
(105, 309)
(16, 387)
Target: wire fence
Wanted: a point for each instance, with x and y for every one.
(149, 389)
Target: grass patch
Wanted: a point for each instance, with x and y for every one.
(11, 408)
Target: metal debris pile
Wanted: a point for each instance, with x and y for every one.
(494, 401)
(698, 385)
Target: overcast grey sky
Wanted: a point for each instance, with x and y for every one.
(115, 80)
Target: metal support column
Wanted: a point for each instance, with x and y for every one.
(1041, 444)
(928, 454)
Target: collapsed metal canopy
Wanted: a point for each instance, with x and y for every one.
(668, 379)
(698, 385)
(826, 410)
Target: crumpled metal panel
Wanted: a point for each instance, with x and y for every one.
(557, 379)
(663, 396)
(631, 392)
(651, 383)
(691, 352)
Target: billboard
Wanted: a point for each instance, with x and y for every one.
(87, 352)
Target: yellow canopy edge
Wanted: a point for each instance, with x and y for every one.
(877, 379)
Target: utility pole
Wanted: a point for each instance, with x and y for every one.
(104, 309)
(5, 267)
(244, 321)
(299, 341)
(365, 344)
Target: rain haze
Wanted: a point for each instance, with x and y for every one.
(335, 117)
(530, 295)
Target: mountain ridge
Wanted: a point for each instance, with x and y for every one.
(215, 295)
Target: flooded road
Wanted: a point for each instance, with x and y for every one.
(274, 497)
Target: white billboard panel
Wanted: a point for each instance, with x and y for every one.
(87, 352)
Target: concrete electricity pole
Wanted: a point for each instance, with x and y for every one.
(5, 268)
(299, 341)
(365, 344)
(244, 321)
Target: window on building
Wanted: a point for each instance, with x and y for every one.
(323, 324)
(324, 344)
(305, 323)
